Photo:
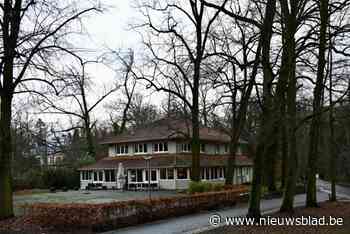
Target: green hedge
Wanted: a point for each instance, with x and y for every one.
(202, 187)
(58, 178)
(61, 178)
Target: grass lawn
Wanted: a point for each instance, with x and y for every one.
(334, 209)
(101, 196)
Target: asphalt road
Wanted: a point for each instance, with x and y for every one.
(342, 191)
(196, 222)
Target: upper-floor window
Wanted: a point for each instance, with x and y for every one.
(140, 148)
(217, 149)
(160, 147)
(122, 149)
(186, 147)
(202, 148)
(226, 148)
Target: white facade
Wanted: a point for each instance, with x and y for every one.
(163, 178)
(172, 148)
(138, 178)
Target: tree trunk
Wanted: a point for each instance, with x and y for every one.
(231, 162)
(289, 71)
(6, 206)
(284, 152)
(267, 123)
(195, 125)
(332, 153)
(195, 143)
(311, 198)
(271, 170)
(90, 143)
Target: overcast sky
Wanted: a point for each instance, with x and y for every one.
(110, 29)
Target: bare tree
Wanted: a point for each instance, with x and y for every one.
(78, 85)
(177, 51)
(32, 33)
(311, 199)
(233, 59)
(128, 89)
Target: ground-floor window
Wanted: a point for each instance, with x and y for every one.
(136, 175)
(212, 173)
(110, 175)
(98, 175)
(203, 173)
(170, 173)
(153, 175)
(221, 172)
(167, 173)
(86, 175)
(182, 173)
(163, 173)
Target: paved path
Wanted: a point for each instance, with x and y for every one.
(196, 222)
(342, 191)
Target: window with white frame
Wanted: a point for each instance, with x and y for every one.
(110, 175)
(135, 175)
(153, 175)
(182, 173)
(170, 173)
(207, 174)
(202, 148)
(121, 149)
(217, 149)
(163, 173)
(221, 173)
(214, 173)
(98, 176)
(186, 147)
(86, 175)
(226, 148)
(140, 148)
(160, 147)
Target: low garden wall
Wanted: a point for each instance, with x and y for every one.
(107, 216)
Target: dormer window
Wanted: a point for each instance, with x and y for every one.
(160, 147)
(140, 148)
(122, 149)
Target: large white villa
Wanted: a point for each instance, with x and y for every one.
(165, 148)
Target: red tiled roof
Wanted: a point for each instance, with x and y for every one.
(168, 128)
(166, 160)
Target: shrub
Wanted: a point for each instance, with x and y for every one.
(58, 178)
(207, 186)
(218, 187)
(30, 180)
(195, 187)
(203, 186)
(61, 178)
